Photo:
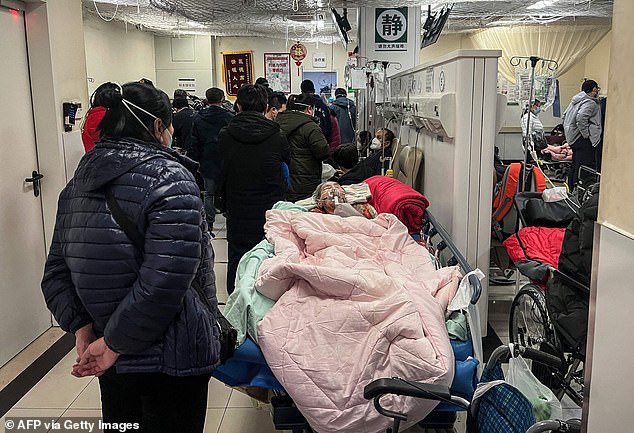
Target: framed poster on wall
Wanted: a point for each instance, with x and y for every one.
(277, 71)
(238, 70)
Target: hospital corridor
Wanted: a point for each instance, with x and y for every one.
(316, 216)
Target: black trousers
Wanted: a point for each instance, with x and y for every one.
(583, 153)
(158, 402)
(235, 251)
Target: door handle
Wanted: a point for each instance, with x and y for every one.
(35, 180)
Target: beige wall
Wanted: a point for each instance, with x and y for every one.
(116, 54)
(597, 63)
(570, 83)
(336, 57)
(174, 60)
(447, 43)
(617, 183)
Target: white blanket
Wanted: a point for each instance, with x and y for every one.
(357, 300)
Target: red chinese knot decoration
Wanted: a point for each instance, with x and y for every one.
(298, 53)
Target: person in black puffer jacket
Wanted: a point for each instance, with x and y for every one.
(144, 320)
(307, 143)
(253, 149)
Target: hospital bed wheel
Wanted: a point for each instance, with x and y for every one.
(529, 324)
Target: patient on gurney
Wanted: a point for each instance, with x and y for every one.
(335, 303)
(330, 198)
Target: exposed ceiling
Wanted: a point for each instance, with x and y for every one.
(301, 19)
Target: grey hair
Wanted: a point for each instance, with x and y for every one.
(317, 193)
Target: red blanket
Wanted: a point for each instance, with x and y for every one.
(393, 196)
(541, 244)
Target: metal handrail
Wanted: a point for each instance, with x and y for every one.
(462, 262)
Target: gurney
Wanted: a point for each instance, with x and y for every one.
(248, 368)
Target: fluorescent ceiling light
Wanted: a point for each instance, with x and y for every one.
(195, 24)
(142, 3)
(541, 4)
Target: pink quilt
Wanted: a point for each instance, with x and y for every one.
(357, 300)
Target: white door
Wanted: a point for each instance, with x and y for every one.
(23, 313)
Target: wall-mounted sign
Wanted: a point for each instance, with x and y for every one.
(188, 84)
(277, 71)
(390, 33)
(319, 60)
(238, 70)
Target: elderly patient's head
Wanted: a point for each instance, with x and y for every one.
(325, 195)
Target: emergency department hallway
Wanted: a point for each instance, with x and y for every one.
(420, 209)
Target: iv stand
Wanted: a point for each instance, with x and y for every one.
(552, 65)
(385, 65)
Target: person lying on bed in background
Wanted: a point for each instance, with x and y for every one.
(331, 199)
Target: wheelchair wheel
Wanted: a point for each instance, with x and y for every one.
(529, 324)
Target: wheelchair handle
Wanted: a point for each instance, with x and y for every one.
(572, 426)
(504, 352)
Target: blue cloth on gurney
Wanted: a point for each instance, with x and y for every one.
(248, 367)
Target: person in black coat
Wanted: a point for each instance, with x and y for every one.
(253, 149)
(351, 170)
(568, 305)
(182, 121)
(204, 149)
(144, 318)
(321, 110)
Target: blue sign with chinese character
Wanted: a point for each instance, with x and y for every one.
(391, 29)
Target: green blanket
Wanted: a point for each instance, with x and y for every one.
(246, 306)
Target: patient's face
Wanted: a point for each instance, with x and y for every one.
(329, 191)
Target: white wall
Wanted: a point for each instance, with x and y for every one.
(116, 54)
(58, 73)
(336, 57)
(185, 57)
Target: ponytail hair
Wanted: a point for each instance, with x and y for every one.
(96, 99)
(132, 110)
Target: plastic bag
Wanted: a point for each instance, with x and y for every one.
(545, 404)
(557, 193)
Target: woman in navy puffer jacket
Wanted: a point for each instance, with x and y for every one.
(139, 319)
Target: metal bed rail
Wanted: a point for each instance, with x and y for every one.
(432, 227)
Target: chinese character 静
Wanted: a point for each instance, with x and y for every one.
(392, 24)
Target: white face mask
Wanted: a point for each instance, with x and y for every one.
(376, 144)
